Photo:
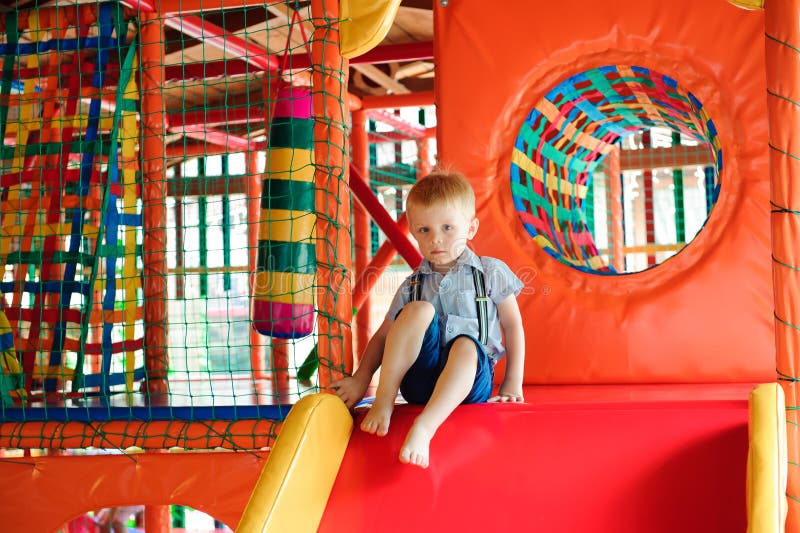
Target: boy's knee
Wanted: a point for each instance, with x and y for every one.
(464, 347)
(418, 310)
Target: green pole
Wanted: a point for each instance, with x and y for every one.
(202, 215)
(226, 228)
(373, 162)
(680, 206)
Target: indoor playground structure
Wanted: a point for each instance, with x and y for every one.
(201, 216)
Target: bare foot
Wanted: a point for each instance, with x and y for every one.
(376, 421)
(415, 450)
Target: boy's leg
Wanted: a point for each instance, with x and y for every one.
(453, 386)
(403, 344)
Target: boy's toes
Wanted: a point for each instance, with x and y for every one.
(382, 428)
(422, 461)
(405, 455)
(368, 426)
(410, 457)
(376, 421)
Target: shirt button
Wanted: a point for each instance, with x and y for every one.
(449, 329)
(445, 285)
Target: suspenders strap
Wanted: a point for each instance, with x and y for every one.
(416, 287)
(481, 301)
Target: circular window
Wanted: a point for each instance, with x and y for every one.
(615, 170)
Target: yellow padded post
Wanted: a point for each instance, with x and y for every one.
(294, 486)
(364, 24)
(767, 466)
(748, 4)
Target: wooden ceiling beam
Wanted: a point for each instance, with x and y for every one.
(381, 78)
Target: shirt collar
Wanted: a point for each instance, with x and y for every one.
(467, 257)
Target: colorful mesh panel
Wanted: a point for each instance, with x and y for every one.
(70, 190)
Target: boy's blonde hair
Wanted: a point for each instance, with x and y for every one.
(443, 187)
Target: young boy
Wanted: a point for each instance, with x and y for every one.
(441, 336)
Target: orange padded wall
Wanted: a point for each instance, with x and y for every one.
(706, 314)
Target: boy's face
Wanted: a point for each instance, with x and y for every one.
(442, 231)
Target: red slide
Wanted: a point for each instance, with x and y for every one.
(625, 459)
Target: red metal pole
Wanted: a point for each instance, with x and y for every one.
(253, 220)
(649, 214)
(279, 366)
(329, 81)
(379, 262)
(382, 218)
(361, 231)
(415, 131)
(157, 519)
(140, 6)
(179, 254)
(213, 35)
(423, 157)
(396, 136)
(213, 118)
(237, 66)
(394, 101)
(154, 204)
(195, 150)
(617, 235)
(389, 53)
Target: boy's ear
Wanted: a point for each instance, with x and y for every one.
(473, 228)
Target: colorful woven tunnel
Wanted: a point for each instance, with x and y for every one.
(567, 135)
(70, 213)
(11, 379)
(283, 303)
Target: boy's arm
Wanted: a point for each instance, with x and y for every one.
(351, 389)
(511, 320)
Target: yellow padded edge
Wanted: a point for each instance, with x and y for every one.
(767, 466)
(364, 24)
(293, 488)
(748, 4)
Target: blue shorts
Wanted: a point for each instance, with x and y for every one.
(418, 383)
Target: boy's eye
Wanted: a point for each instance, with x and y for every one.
(423, 230)
(448, 227)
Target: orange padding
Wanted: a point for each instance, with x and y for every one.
(158, 435)
(703, 316)
(42, 493)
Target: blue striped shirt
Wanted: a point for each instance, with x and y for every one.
(453, 297)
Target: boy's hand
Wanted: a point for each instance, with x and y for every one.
(350, 389)
(508, 394)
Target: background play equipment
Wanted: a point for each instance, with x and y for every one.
(150, 270)
(125, 276)
(71, 212)
(283, 299)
